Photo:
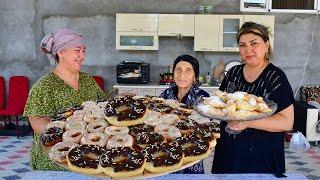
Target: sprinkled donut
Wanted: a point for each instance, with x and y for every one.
(148, 138)
(85, 159)
(193, 148)
(122, 162)
(185, 126)
(51, 136)
(124, 140)
(163, 157)
(60, 151)
(125, 111)
(140, 128)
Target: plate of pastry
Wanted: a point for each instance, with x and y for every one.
(237, 106)
(129, 137)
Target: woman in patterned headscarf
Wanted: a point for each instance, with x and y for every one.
(259, 148)
(61, 88)
(185, 89)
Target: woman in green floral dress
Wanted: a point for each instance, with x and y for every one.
(64, 87)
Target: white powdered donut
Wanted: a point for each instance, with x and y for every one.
(60, 151)
(75, 117)
(80, 125)
(98, 125)
(114, 130)
(168, 131)
(169, 118)
(124, 140)
(89, 103)
(59, 124)
(152, 118)
(73, 135)
(95, 138)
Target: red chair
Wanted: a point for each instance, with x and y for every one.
(17, 98)
(2, 90)
(100, 81)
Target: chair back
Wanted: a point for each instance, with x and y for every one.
(2, 92)
(18, 94)
(100, 81)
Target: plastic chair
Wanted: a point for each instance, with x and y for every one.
(2, 90)
(17, 98)
(100, 81)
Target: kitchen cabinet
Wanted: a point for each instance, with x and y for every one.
(229, 26)
(206, 36)
(137, 32)
(137, 22)
(266, 20)
(179, 25)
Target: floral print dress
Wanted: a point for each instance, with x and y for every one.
(49, 95)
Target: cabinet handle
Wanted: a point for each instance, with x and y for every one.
(134, 29)
(204, 49)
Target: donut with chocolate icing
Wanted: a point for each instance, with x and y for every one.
(145, 139)
(125, 111)
(59, 124)
(193, 148)
(85, 159)
(212, 127)
(51, 136)
(122, 162)
(185, 126)
(160, 107)
(204, 135)
(163, 157)
(140, 128)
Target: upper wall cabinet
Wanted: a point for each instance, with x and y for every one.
(206, 36)
(137, 32)
(265, 20)
(176, 25)
(137, 22)
(229, 26)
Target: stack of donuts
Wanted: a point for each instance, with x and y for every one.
(236, 106)
(126, 136)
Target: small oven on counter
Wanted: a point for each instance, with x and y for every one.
(129, 72)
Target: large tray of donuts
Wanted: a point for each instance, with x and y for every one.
(237, 106)
(129, 136)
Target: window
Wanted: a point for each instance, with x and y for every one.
(281, 6)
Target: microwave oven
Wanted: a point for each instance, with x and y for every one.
(129, 72)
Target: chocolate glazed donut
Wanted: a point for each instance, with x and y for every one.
(85, 159)
(163, 157)
(122, 162)
(51, 136)
(133, 109)
(193, 148)
(125, 111)
(148, 138)
(140, 128)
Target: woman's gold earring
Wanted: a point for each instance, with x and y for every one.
(61, 59)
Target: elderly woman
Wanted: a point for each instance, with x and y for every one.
(259, 148)
(186, 90)
(61, 88)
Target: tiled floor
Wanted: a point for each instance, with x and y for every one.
(14, 159)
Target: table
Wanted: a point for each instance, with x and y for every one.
(56, 175)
